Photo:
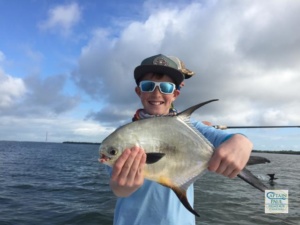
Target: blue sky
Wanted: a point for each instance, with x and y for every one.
(66, 67)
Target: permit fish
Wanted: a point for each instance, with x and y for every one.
(177, 153)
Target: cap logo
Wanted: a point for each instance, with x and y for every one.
(160, 61)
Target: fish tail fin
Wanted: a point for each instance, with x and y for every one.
(248, 177)
(181, 194)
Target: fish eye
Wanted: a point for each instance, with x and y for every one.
(112, 151)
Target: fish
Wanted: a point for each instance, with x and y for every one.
(177, 153)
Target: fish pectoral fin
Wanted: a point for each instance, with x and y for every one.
(153, 157)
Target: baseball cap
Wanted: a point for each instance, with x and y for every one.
(181, 67)
(159, 64)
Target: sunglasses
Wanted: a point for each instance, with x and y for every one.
(164, 87)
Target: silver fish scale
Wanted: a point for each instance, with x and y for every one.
(186, 151)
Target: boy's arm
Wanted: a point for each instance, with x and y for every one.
(127, 174)
(231, 156)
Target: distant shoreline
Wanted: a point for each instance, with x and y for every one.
(81, 143)
(290, 152)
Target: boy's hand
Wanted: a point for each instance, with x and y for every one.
(127, 174)
(231, 156)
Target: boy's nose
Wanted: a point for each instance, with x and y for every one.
(156, 90)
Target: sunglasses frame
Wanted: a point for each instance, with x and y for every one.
(157, 84)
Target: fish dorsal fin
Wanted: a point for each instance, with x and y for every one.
(186, 114)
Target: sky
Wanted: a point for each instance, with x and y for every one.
(66, 67)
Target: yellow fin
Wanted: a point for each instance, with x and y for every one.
(165, 181)
(181, 193)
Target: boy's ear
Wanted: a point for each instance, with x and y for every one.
(176, 93)
(138, 91)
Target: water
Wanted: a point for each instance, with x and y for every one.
(61, 184)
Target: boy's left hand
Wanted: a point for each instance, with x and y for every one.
(231, 156)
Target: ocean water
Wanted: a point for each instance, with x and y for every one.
(61, 184)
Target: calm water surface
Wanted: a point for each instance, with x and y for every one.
(60, 184)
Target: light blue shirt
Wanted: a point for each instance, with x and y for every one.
(155, 204)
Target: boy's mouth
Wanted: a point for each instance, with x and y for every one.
(156, 102)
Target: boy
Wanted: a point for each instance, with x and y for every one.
(140, 201)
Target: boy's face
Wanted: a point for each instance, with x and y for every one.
(156, 103)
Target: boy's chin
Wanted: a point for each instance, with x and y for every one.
(156, 111)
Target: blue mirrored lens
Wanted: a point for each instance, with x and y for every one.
(167, 88)
(164, 87)
(147, 86)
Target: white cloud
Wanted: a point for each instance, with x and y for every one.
(34, 96)
(222, 43)
(62, 18)
(245, 53)
(11, 89)
(58, 129)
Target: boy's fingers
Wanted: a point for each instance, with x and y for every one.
(120, 163)
(135, 167)
(222, 168)
(214, 163)
(128, 163)
(228, 171)
(234, 174)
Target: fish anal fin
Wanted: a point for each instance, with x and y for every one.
(180, 193)
(153, 157)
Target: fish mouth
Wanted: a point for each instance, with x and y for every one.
(104, 158)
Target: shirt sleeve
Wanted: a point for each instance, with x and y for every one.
(215, 136)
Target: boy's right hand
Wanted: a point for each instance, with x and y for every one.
(127, 174)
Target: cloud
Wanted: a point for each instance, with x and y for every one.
(58, 129)
(33, 96)
(269, 35)
(250, 64)
(48, 95)
(11, 89)
(244, 53)
(62, 18)
(33, 106)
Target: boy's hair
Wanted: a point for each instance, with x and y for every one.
(181, 67)
(153, 75)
